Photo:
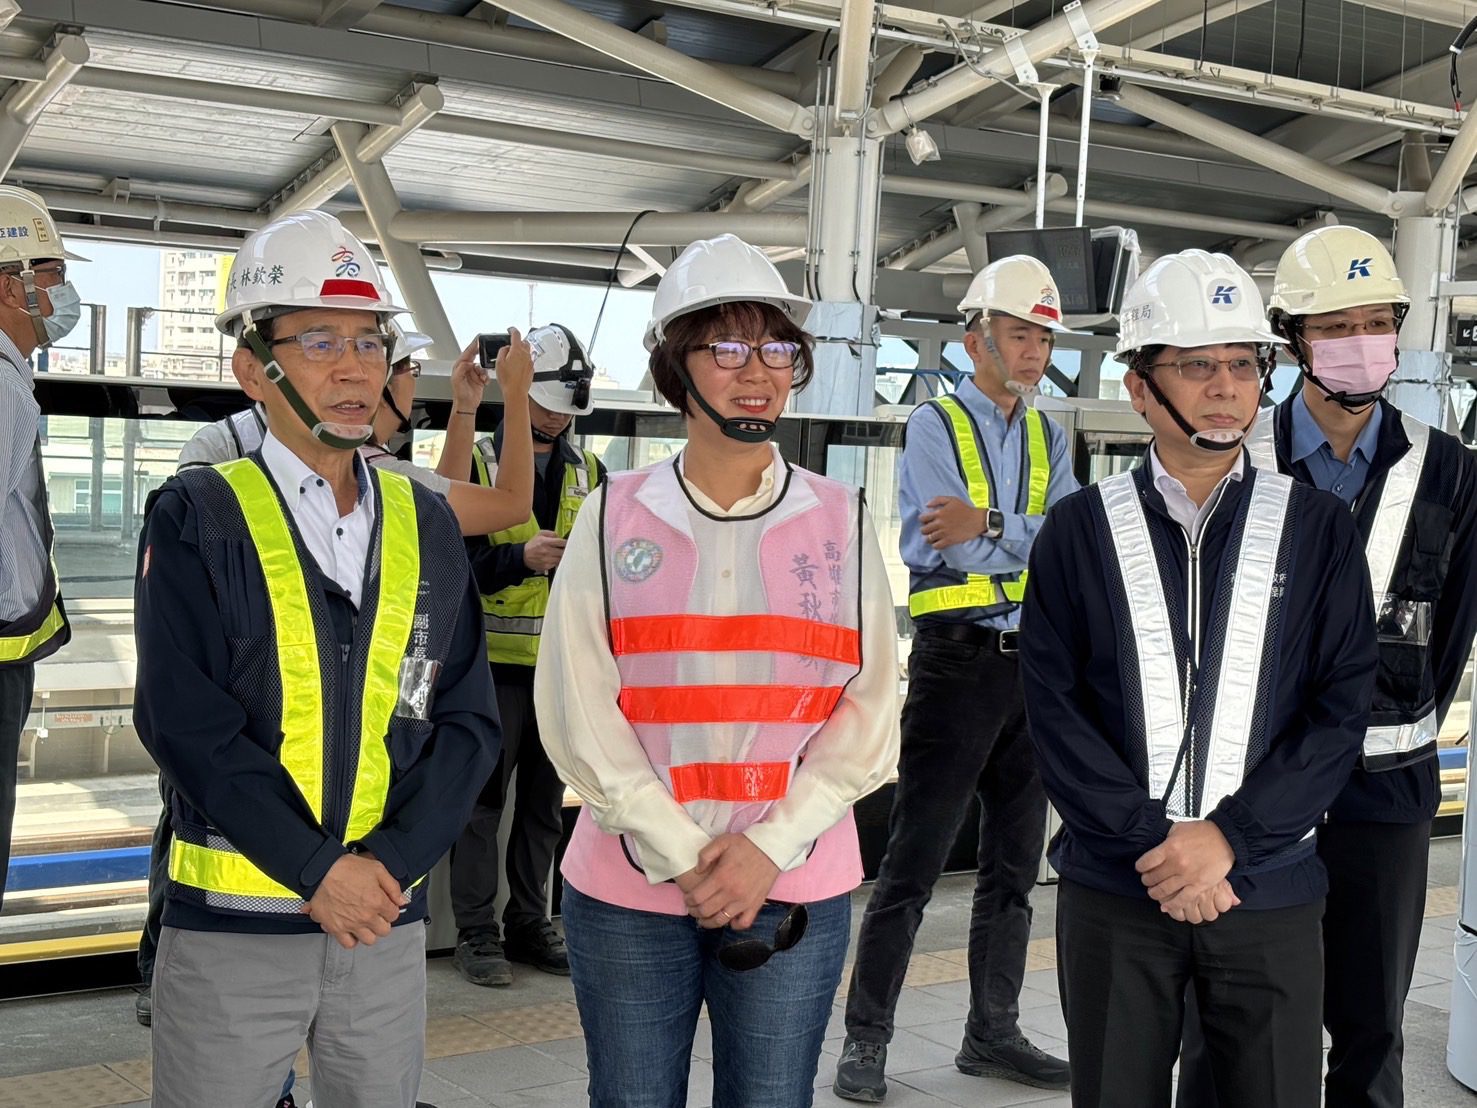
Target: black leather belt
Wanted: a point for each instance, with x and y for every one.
(1006, 642)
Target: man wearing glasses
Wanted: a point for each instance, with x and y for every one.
(1412, 490)
(312, 683)
(979, 471)
(38, 307)
(1199, 656)
(514, 568)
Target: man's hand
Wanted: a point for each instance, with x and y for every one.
(543, 552)
(733, 878)
(1194, 859)
(357, 901)
(468, 379)
(1205, 908)
(515, 365)
(950, 521)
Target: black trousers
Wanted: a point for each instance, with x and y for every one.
(1124, 966)
(963, 735)
(534, 837)
(16, 685)
(1371, 935)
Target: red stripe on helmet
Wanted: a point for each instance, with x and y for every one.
(339, 287)
(1048, 311)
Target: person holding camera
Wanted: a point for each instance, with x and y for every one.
(513, 568)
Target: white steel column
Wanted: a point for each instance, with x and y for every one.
(1425, 248)
(24, 103)
(381, 205)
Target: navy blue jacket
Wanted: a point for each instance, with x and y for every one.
(1441, 561)
(1077, 707)
(222, 767)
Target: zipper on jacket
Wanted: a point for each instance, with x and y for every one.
(1192, 663)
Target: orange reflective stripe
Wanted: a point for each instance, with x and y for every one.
(764, 633)
(736, 782)
(729, 703)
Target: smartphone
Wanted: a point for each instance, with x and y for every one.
(489, 345)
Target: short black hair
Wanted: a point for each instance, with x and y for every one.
(746, 317)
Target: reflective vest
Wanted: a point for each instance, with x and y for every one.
(248, 428)
(347, 799)
(975, 595)
(1403, 727)
(734, 638)
(1198, 716)
(43, 630)
(514, 616)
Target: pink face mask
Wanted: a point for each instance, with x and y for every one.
(1357, 365)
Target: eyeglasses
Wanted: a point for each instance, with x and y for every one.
(1201, 370)
(735, 355)
(325, 346)
(404, 366)
(748, 954)
(48, 276)
(1342, 328)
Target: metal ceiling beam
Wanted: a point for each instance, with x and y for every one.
(853, 59)
(591, 228)
(9, 9)
(934, 247)
(1454, 166)
(1450, 13)
(155, 211)
(964, 80)
(331, 179)
(695, 76)
(382, 206)
(1254, 148)
(23, 103)
(345, 13)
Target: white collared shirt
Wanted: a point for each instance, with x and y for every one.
(339, 544)
(1177, 502)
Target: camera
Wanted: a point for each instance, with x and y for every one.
(489, 345)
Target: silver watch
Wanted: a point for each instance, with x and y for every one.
(994, 523)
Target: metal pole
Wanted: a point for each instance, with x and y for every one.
(1454, 165)
(967, 216)
(24, 103)
(97, 348)
(591, 228)
(1425, 248)
(853, 59)
(1087, 83)
(381, 205)
(1044, 91)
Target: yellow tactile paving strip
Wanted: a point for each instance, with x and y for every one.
(103, 1086)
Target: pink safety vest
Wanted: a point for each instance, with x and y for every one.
(734, 639)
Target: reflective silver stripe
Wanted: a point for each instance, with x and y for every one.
(1393, 515)
(1261, 444)
(1159, 677)
(512, 625)
(248, 427)
(1401, 738)
(1246, 637)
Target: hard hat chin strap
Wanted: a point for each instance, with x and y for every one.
(336, 436)
(743, 429)
(1217, 440)
(1291, 328)
(27, 279)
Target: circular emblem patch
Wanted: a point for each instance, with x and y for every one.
(637, 559)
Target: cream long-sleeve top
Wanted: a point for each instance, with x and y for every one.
(598, 755)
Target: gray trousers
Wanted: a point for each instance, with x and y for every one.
(16, 684)
(231, 1012)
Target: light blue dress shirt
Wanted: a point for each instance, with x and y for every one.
(1310, 445)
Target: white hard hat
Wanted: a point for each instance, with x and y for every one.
(556, 351)
(1334, 268)
(722, 270)
(27, 231)
(1019, 286)
(304, 260)
(407, 343)
(1193, 298)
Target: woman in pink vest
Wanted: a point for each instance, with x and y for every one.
(718, 682)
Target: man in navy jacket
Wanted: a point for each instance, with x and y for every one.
(1198, 672)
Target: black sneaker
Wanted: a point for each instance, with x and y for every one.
(288, 1102)
(859, 1074)
(143, 1006)
(1014, 1059)
(479, 958)
(539, 945)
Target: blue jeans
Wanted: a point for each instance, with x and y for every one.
(641, 978)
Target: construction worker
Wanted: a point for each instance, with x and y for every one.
(513, 568)
(312, 683)
(717, 681)
(1199, 659)
(1412, 489)
(978, 473)
(243, 433)
(38, 306)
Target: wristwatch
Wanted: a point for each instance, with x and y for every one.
(994, 523)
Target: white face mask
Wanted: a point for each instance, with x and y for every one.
(66, 311)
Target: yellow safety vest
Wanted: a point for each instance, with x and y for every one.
(978, 590)
(222, 870)
(514, 617)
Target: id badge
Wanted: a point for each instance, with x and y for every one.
(417, 687)
(1403, 621)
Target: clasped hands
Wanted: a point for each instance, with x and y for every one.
(728, 885)
(357, 901)
(1186, 873)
